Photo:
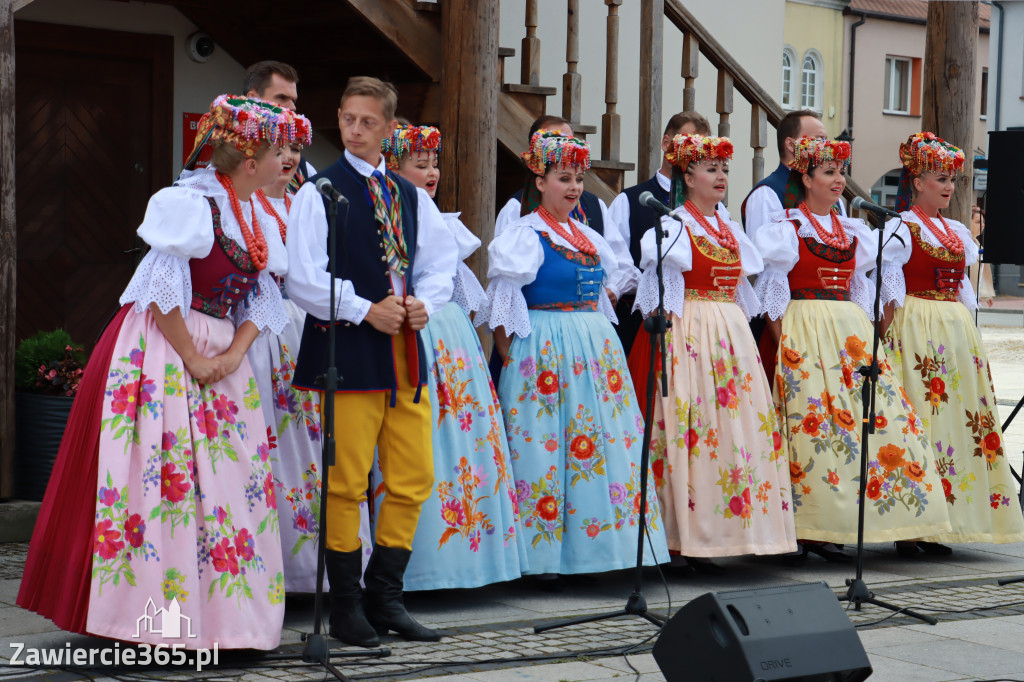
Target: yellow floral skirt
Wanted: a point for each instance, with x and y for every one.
(818, 394)
(937, 353)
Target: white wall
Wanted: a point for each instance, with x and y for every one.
(1011, 108)
(751, 30)
(195, 85)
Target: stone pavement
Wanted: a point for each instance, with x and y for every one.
(980, 635)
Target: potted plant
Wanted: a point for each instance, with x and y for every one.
(47, 371)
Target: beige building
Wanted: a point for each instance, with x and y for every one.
(813, 58)
(887, 40)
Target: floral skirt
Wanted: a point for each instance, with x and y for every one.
(721, 474)
(937, 351)
(818, 394)
(293, 427)
(469, 532)
(170, 564)
(575, 435)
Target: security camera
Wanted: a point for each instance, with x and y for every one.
(200, 47)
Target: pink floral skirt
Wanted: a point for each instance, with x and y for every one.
(185, 546)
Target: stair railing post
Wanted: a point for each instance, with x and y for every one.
(758, 139)
(572, 81)
(652, 18)
(691, 61)
(724, 106)
(611, 121)
(530, 71)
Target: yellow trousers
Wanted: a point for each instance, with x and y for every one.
(402, 435)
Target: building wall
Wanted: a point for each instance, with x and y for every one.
(818, 25)
(195, 85)
(751, 30)
(877, 135)
(1011, 102)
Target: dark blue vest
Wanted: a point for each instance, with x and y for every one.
(591, 206)
(642, 218)
(364, 355)
(776, 182)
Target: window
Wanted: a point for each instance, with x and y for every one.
(983, 104)
(884, 191)
(897, 85)
(788, 62)
(811, 82)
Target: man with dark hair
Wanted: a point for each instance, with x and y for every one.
(277, 82)
(765, 200)
(631, 220)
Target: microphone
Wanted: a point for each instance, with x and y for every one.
(324, 186)
(647, 199)
(862, 204)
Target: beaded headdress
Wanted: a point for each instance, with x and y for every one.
(687, 149)
(922, 152)
(550, 147)
(248, 123)
(810, 151)
(407, 139)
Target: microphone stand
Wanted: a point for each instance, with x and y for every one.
(316, 648)
(656, 326)
(858, 592)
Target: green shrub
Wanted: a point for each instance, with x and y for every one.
(52, 350)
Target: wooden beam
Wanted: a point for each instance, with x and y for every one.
(18, 4)
(951, 44)
(652, 17)
(411, 34)
(529, 66)
(8, 249)
(469, 117)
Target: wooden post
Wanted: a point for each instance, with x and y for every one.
(724, 108)
(758, 139)
(572, 81)
(652, 18)
(8, 249)
(469, 81)
(691, 61)
(611, 121)
(951, 45)
(530, 64)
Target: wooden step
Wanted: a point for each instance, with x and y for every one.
(612, 173)
(532, 97)
(503, 54)
(581, 130)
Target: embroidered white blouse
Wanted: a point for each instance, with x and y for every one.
(515, 257)
(678, 260)
(468, 293)
(779, 247)
(309, 284)
(178, 226)
(896, 254)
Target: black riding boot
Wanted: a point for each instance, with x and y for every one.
(348, 621)
(384, 606)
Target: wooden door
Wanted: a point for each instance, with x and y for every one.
(93, 127)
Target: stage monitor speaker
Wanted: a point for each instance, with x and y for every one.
(1004, 198)
(796, 633)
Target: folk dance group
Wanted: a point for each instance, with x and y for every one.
(190, 467)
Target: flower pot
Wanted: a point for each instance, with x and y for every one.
(39, 427)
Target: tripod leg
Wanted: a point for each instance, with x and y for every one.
(931, 620)
(578, 621)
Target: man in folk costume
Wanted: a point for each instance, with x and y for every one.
(632, 219)
(278, 82)
(396, 261)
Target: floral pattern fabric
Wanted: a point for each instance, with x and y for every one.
(294, 439)
(936, 350)
(186, 502)
(575, 433)
(818, 394)
(469, 531)
(719, 467)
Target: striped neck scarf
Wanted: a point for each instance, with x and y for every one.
(387, 210)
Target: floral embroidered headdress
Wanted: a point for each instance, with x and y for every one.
(407, 139)
(248, 123)
(815, 151)
(687, 149)
(922, 152)
(550, 147)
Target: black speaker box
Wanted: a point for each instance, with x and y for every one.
(796, 633)
(1004, 199)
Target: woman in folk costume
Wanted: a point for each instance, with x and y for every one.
(935, 348)
(292, 415)
(720, 471)
(570, 411)
(469, 532)
(815, 293)
(163, 496)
